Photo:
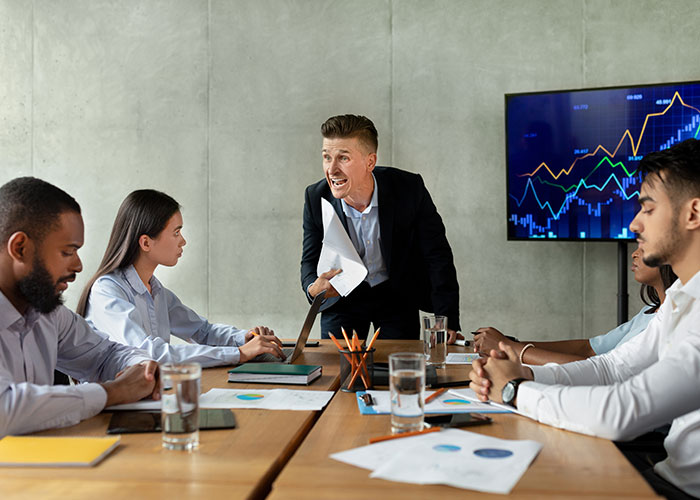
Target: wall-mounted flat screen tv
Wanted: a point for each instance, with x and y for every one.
(572, 156)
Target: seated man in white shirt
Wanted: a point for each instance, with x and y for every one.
(651, 379)
(41, 230)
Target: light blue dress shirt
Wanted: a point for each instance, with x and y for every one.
(121, 306)
(363, 229)
(608, 341)
(32, 346)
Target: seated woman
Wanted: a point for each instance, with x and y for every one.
(654, 281)
(125, 300)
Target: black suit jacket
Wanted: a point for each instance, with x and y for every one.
(414, 246)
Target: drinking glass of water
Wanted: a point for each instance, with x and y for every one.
(435, 339)
(180, 386)
(407, 384)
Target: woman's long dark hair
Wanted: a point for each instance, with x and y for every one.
(145, 211)
(648, 293)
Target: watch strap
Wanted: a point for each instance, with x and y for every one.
(515, 383)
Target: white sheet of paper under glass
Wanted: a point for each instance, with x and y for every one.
(453, 401)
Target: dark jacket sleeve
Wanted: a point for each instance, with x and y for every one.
(438, 259)
(313, 238)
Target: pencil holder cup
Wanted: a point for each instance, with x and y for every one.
(356, 370)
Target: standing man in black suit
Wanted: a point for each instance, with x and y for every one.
(396, 230)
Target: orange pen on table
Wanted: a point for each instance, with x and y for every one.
(435, 395)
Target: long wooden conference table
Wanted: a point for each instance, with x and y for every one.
(285, 454)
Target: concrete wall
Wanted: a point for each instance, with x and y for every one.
(219, 104)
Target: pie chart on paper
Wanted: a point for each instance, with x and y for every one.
(456, 402)
(250, 397)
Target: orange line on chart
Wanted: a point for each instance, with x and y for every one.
(611, 155)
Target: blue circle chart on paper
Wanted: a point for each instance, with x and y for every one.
(446, 448)
(250, 397)
(492, 453)
(456, 402)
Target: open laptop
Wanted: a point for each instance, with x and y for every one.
(292, 353)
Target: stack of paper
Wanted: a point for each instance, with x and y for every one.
(453, 457)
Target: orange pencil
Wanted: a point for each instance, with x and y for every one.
(404, 434)
(347, 357)
(347, 340)
(360, 365)
(435, 395)
(364, 357)
(337, 344)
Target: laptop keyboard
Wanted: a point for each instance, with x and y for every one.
(271, 358)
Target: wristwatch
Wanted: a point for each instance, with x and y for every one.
(510, 391)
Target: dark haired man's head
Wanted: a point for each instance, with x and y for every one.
(42, 230)
(670, 199)
(349, 126)
(676, 168)
(32, 206)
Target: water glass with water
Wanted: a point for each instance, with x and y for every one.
(407, 384)
(435, 339)
(180, 387)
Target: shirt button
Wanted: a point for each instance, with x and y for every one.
(368, 242)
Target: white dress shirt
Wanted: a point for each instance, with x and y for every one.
(617, 336)
(646, 382)
(365, 234)
(121, 306)
(32, 347)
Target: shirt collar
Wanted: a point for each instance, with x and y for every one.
(134, 280)
(374, 202)
(9, 315)
(691, 288)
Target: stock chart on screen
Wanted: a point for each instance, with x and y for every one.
(572, 156)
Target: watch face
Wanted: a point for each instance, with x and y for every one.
(508, 393)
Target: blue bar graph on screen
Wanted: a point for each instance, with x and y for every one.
(572, 156)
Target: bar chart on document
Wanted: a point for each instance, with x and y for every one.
(573, 156)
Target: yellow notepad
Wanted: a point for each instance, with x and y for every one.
(30, 451)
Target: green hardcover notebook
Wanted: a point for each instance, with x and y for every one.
(275, 373)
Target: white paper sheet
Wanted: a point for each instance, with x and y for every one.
(461, 459)
(453, 401)
(373, 456)
(270, 399)
(453, 457)
(144, 405)
(461, 358)
(470, 395)
(338, 252)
